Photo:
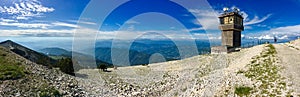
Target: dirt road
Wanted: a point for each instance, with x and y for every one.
(289, 58)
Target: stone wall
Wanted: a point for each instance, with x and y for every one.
(219, 50)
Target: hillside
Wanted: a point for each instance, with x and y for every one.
(28, 53)
(21, 77)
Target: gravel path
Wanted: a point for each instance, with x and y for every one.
(290, 60)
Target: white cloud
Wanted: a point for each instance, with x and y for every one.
(208, 19)
(7, 20)
(131, 27)
(255, 20)
(283, 37)
(266, 37)
(38, 32)
(64, 24)
(88, 23)
(83, 22)
(132, 22)
(196, 29)
(88, 33)
(245, 16)
(26, 9)
(26, 25)
(285, 32)
(21, 18)
(287, 29)
(14, 23)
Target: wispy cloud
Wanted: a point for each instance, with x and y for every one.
(45, 25)
(132, 22)
(26, 9)
(7, 20)
(255, 20)
(26, 25)
(45, 30)
(64, 24)
(86, 22)
(208, 19)
(38, 32)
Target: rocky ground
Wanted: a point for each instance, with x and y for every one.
(263, 70)
(257, 70)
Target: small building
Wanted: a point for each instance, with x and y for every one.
(231, 25)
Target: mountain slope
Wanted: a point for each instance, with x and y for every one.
(28, 53)
(21, 77)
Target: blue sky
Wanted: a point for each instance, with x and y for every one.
(34, 19)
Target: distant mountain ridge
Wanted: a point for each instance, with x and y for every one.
(55, 51)
(28, 53)
(140, 52)
(103, 55)
(86, 60)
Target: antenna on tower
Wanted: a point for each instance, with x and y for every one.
(235, 9)
(225, 9)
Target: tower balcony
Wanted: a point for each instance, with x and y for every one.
(236, 27)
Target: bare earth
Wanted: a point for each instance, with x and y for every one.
(204, 75)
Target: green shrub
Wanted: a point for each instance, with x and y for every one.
(46, 91)
(66, 66)
(243, 91)
(240, 72)
(11, 72)
(272, 50)
(103, 67)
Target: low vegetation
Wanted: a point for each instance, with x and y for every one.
(103, 67)
(66, 66)
(264, 70)
(9, 68)
(13, 71)
(242, 90)
(46, 91)
(291, 46)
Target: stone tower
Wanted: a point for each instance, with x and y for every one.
(231, 25)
